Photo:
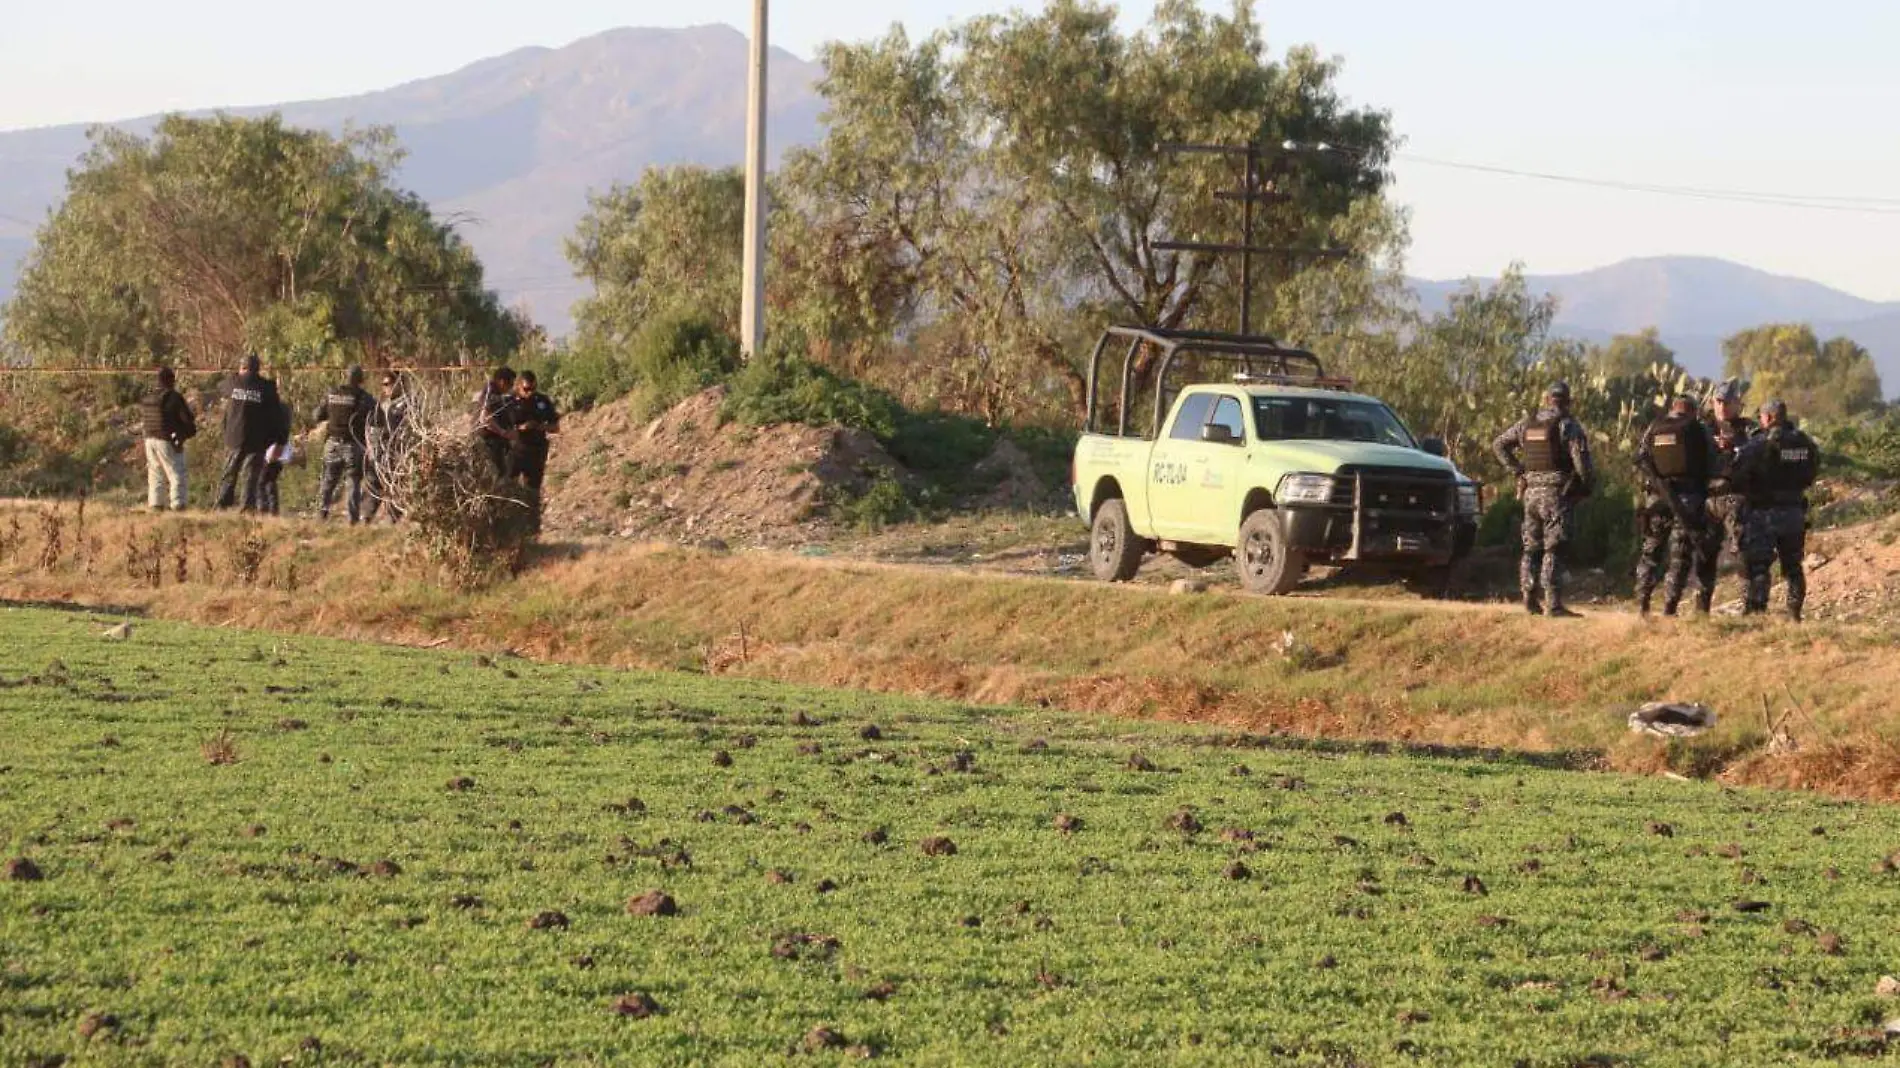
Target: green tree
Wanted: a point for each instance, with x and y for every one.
(996, 183)
(221, 234)
(1819, 381)
(1634, 356)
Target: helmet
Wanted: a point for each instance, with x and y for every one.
(1558, 391)
(356, 375)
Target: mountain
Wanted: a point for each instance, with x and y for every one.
(512, 145)
(1694, 302)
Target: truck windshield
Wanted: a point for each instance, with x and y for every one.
(1328, 419)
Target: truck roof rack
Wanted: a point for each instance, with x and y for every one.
(1259, 356)
(1246, 378)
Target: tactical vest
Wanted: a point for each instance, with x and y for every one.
(1544, 451)
(345, 413)
(1679, 448)
(1788, 466)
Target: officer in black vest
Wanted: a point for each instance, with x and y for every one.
(494, 419)
(345, 412)
(535, 418)
(389, 442)
(168, 423)
(253, 422)
(1675, 458)
(1550, 454)
(1727, 508)
(1774, 472)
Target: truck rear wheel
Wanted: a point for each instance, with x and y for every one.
(1267, 563)
(1115, 550)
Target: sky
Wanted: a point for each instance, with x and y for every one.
(1747, 96)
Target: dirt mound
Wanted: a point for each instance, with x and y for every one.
(1854, 572)
(689, 476)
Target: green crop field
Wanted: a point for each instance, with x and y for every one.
(222, 844)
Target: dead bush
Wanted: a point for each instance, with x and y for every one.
(220, 748)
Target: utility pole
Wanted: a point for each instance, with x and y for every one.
(1249, 194)
(752, 295)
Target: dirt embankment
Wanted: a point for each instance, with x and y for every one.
(1416, 673)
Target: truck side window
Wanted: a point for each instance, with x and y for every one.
(1188, 421)
(1227, 414)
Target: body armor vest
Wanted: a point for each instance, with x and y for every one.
(1544, 450)
(1788, 467)
(346, 413)
(1679, 447)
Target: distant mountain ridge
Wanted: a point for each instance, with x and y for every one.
(1695, 301)
(511, 144)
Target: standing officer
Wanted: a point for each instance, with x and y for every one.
(495, 418)
(1675, 457)
(252, 418)
(1550, 454)
(1730, 430)
(168, 424)
(1774, 472)
(535, 419)
(345, 410)
(388, 439)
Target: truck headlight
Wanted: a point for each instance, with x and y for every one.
(1306, 489)
(1468, 498)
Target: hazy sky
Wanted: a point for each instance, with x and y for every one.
(1731, 95)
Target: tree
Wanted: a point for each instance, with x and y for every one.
(1000, 181)
(1820, 381)
(223, 234)
(1634, 356)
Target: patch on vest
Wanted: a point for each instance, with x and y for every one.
(1794, 456)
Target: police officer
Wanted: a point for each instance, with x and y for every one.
(345, 412)
(388, 439)
(1774, 472)
(168, 424)
(1730, 430)
(253, 421)
(495, 418)
(535, 419)
(1549, 452)
(1675, 457)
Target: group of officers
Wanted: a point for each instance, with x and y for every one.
(365, 439)
(1711, 481)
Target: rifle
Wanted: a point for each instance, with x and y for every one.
(1646, 466)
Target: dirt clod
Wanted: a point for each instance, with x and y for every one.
(1138, 762)
(1397, 819)
(938, 846)
(870, 732)
(652, 903)
(880, 992)
(638, 1005)
(1660, 830)
(825, 886)
(1652, 954)
(255, 830)
(234, 1060)
(1068, 824)
(970, 921)
(875, 836)
(1746, 905)
(94, 1023)
(823, 1038)
(22, 870)
(1475, 885)
(1184, 820)
(385, 869)
(1831, 944)
(778, 877)
(1237, 871)
(1731, 850)
(461, 783)
(1888, 987)
(722, 759)
(465, 901)
(549, 920)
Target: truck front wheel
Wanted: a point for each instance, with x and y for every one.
(1267, 563)
(1115, 550)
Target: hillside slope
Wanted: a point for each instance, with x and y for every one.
(514, 143)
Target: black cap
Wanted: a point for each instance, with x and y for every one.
(1559, 390)
(356, 375)
(251, 363)
(504, 374)
(1729, 390)
(166, 376)
(1776, 409)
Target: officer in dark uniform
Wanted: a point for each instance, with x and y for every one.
(495, 418)
(168, 423)
(388, 439)
(1774, 472)
(535, 419)
(345, 411)
(1675, 458)
(1730, 430)
(252, 417)
(269, 500)
(1549, 453)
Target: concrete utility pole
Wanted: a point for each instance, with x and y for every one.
(752, 299)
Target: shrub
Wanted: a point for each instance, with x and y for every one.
(473, 527)
(671, 357)
(776, 388)
(882, 504)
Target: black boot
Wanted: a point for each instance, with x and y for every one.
(1642, 602)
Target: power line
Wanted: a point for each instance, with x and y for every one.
(1859, 205)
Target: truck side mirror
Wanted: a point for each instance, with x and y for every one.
(1219, 434)
(1433, 446)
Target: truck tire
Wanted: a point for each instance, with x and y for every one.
(1267, 563)
(1115, 550)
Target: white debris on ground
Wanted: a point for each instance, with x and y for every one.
(1666, 719)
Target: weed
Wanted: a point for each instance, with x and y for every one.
(52, 537)
(248, 553)
(220, 748)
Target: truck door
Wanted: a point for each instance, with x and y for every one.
(1224, 448)
(1174, 468)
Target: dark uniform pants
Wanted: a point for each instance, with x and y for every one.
(268, 500)
(376, 475)
(1778, 532)
(1727, 513)
(341, 459)
(1547, 529)
(1670, 548)
(248, 463)
(498, 453)
(528, 463)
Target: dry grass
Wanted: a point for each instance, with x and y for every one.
(1461, 675)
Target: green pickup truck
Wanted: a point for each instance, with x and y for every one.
(1280, 466)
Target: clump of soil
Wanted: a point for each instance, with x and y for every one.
(1068, 824)
(22, 870)
(94, 1023)
(638, 1005)
(688, 476)
(652, 903)
(1237, 871)
(548, 921)
(385, 869)
(722, 759)
(938, 846)
(875, 836)
(870, 732)
(1138, 762)
(778, 877)
(798, 945)
(823, 1038)
(1185, 821)
(1475, 886)
(461, 783)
